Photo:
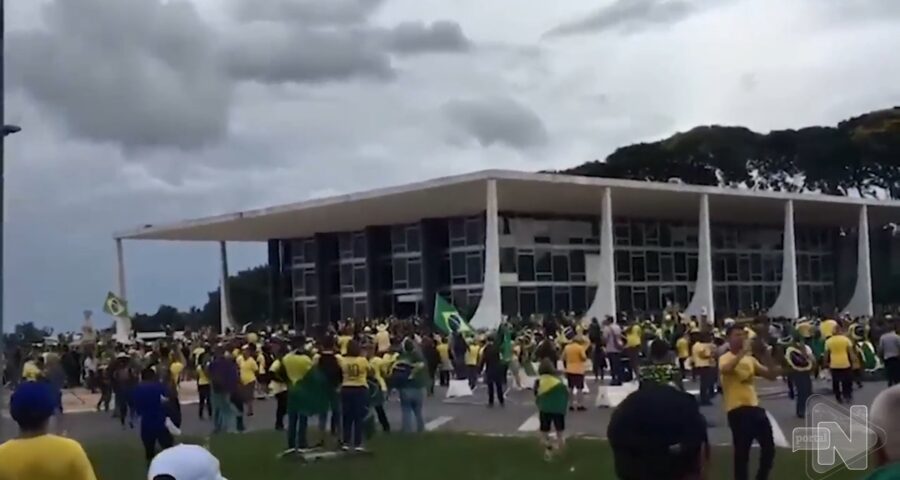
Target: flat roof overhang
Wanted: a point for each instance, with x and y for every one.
(535, 193)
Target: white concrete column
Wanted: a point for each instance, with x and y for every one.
(702, 303)
(861, 301)
(489, 314)
(604, 303)
(123, 324)
(787, 305)
(225, 320)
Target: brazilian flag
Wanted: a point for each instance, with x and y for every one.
(312, 394)
(552, 395)
(447, 319)
(115, 306)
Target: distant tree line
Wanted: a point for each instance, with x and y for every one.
(860, 155)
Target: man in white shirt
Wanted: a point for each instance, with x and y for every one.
(889, 349)
(614, 344)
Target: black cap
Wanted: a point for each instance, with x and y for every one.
(657, 433)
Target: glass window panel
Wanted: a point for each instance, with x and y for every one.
(359, 245)
(360, 309)
(637, 233)
(509, 300)
(756, 264)
(474, 232)
(345, 244)
(639, 300)
(576, 261)
(542, 261)
(526, 268)
(623, 265)
(311, 284)
(560, 268)
(680, 262)
(347, 307)
(561, 301)
(638, 272)
(622, 233)
(508, 260)
(668, 267)
(415, 274)
(473, 268)
(652, 263)
(527, 302)
(346, 274)
(309, 251)
(400, 270)
(744, 268)
(579, 299)
(413, 239)
(681, 295)
(624, 298)
(545, 300)
(665, 235)
(692, 266)
(398, 242)
(359, 279)
(460, 299)
(457, 227)
(653, 302)
(458, 264)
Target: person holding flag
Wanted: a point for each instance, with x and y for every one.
(552, 399)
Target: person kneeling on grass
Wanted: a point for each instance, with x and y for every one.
(552, 398)
(35, 454)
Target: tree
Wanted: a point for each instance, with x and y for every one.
(859, 156)
(27, 333)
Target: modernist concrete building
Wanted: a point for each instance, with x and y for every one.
(513, 243)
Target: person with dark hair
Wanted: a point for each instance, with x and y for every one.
(702, 358)
(613, 344)
(354, 396)
(659, 369)
(889, 351)
(574, 357)
(35, 454)
(598, 359)
(649, 442)
(149, 399)
(748, 421)
(330, 364)
(224, 380)
(799, 359)
(839, 359)
(408, 376)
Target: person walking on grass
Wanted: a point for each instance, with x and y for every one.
(224, 381)
(552, 399)
(702, 358)
(249, 368)
(295, 366)
(35, 454)
(354, 396)
(838, 358)
(889, 351)
(748, 421)
(149, 399)
(494, 371)
(799, 358)
(408, 376)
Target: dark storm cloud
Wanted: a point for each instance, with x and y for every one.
(307, 12)
(628, 15)
(497, 120)
(133, 72)
(417, 37)
(306, 56)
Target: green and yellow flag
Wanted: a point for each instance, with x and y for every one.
(552, 395)
(447, 319)
(115, 306)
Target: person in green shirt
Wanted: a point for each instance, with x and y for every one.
(552, 399)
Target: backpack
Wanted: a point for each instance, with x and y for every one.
(401, 375)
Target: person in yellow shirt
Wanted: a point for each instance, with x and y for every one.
(574, 358)
(633, 342)
(682, 348)
(344, 340)
(354, 396)
(702, 361)
(248, 369)
(747, 420)
(30, 371)
(446, 366)
(827, 328)
(838, 358)
(35, 454)
(278, 388)
(203, 386)
(472, 356)
(293, 368)
(382, 340)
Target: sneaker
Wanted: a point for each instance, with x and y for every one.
(360, 450)
(288, 452)
(345, 448)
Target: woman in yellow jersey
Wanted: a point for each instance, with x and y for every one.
(35, 454)
(354, 396)
(839, 359)
(682, 348)
(443, 349)
(633, 342)
(472, 356)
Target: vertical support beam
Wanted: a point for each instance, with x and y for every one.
(702, 303)
(225, 320)
(861, 301)
(123, 324)
(604, 303)
(275, 300)
(488, 314)
(787, 305)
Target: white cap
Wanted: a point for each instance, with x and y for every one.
(185, 462)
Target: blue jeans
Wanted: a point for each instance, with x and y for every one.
(354, 406)
(411, 406)
(296, 431)
(223, 412)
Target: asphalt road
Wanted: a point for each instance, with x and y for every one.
(471, 414)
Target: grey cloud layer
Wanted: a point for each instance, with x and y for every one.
(147, 73)
(497, 120)
(629, 15)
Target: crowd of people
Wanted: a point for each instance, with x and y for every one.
(339, 377)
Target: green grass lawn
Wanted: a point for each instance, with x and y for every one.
(433, 456)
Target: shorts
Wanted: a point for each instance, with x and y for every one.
(575, 381)
(556, 420)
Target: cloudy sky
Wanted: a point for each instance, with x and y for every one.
(146, 111)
